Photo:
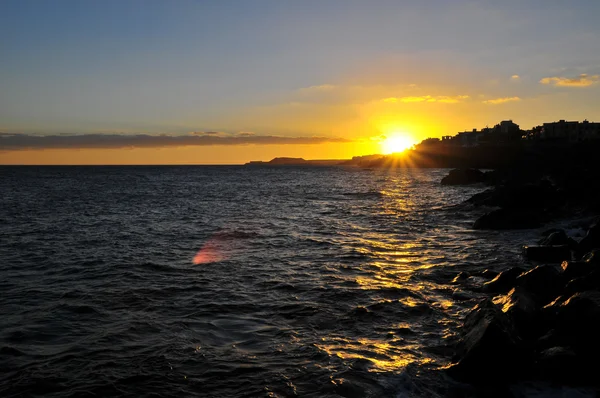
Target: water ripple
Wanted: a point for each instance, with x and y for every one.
(318, 282)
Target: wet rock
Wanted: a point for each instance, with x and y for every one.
(483, 198)
(464, 177)
(521, 308)
(551, 309)
(581, 275)
(504, 281)
(592, 257)
(590, 241)
(508, 219)
(559, 364)
(578, 321)
(550, 339)
(547, 232)
(519, 196)
(551, 254)
(544, 282)
(581, 308)
(556, 237)
(590, 281)
(575, 269)
(490, 348)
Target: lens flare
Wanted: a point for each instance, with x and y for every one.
(209, 252)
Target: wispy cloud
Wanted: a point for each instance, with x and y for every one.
(515, 77)
(112, 141)
(504, 100)
(209, 133)
(428, 98)
(582, 80)
(246, 134)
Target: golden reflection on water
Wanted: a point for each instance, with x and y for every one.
(391, 268)
(378, 282)
(391, 263)
(384, 355)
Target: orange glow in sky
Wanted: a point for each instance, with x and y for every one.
(283, 80)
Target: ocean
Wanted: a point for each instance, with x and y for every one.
(234, 281)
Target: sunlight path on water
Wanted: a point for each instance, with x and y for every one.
(231, 281)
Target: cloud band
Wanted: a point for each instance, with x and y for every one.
(114, 141)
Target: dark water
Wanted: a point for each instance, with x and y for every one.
(315, 282)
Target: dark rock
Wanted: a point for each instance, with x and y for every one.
(548, 340)
(590, 241)
(581, 308)
(592, 257)
(492, 177)
(590, 281)
(464, 177)
(550, 254)
(482, 198)
(558, 237)
(519, 196)
(573, 244)
(559, 364)
(522, 310)
(490, 349)
(551, 309)
(504, 281)
(508, 219)
(582, 275)
(547, 232)
(575, 269)
(544, 281)
(578, 321)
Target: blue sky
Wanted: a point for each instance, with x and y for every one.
(180, 66)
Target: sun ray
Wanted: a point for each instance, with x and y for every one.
(396, 143)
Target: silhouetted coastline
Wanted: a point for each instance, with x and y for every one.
(537, 320)
(286, 161)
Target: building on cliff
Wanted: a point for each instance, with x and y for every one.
(505, 131)
(563, 130)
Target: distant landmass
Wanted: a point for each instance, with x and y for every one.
(505, 145)
(284, 161)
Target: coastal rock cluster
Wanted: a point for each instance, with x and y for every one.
(465, 176)
(520, 206)
(525, 200)
(538, 322)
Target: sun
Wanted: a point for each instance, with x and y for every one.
(396, 143)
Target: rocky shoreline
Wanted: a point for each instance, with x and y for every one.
(538, 321)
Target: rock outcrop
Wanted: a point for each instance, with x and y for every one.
(464, 177)
(543, 325)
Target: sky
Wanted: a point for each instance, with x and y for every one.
(226, 82)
